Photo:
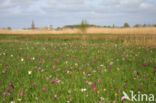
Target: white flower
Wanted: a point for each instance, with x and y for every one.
(29, 72)
(83, 89)
(68, 72)
(94, 71)
(22, 59)
(58, 81)
(111, 63)
(11, 55)
(90, 83)
(33, 58)
(76, 64)
(101, 98)
(101, 65)
(12, 102)
(89, 74)
(19, 99)
(69, 91)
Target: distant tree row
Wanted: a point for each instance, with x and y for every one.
(7, 28)
(83, 25)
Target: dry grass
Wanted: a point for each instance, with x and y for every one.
(140, 30)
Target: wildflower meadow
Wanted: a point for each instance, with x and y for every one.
(42, 70)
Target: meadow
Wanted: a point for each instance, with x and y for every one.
(78, 68)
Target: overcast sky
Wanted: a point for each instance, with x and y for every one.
(20, 13)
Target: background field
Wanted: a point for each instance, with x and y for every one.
(76, 68)
(90, 30)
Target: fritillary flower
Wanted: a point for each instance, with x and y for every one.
(22, 93)
(5, 94)
(86, 81)
(55, 96)
(118, 90)
(10, 84)
(43, 89)
(35, 67)
(122, 98)
(93, 84)
(69, 96)
(139, 89)
(47, 78)
(98, 80)
(42, 70)
(34, 83)
(8, 89)
(53, 81)
(94, 89)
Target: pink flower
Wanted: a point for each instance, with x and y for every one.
(43, 89)
(8, 89)
(155, 67)
(110, 66)
(58, 70)
(54, 67)
(118, 90)
(125, 84)
(69, 96)
(98, 80)
(86, 81)
(53, 81)
(39, 68)
(71, 69)
(93, 85)
(57, 79)
(5, 94)
(135, 75)
(10, 84)
(34, 83)
(122, 98)
(145, 64)
(42, 70)
(35, 67)
(22, 93)
(94, 89)
(144, 76)
(4, 71)
(139, 89)
(47, 78)
(55, 96)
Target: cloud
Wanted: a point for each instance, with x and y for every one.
(72, 11)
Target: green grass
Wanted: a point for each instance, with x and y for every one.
(108, 61)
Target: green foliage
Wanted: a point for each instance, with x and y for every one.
(83, 26)
(9, 28)
(136, 25)
(126, 25)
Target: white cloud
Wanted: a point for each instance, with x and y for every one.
(72, 11)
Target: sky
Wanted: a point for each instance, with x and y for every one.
(20, 13)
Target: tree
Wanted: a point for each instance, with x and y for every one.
(83, 26)
(9, 28)
(126, 25)
(136, 25)
(144, 25)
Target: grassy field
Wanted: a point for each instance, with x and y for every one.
(76, 69)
